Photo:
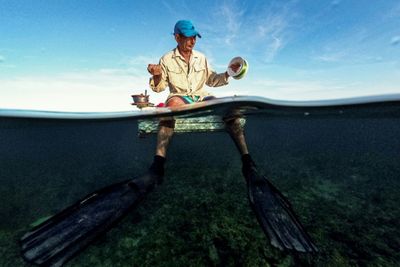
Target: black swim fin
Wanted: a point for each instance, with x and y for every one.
(275, 214)
(59, 238)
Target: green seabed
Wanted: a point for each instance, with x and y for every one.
(341, 176)
(202, 220)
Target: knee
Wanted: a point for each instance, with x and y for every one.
(233, 125)
(167, 123)
(231, 121)
(175, 101)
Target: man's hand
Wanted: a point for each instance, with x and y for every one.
(154, 69)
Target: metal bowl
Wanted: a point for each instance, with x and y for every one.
(140, 99)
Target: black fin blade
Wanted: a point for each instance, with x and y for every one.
(276, 216)
(59, 238)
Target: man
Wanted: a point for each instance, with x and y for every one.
(185, 71)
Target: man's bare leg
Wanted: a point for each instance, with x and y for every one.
(164, 136)
(166, 129)
(165, 133)
(237, 134)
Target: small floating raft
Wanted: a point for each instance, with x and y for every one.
(208, 123)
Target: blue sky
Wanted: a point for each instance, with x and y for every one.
(92, 55)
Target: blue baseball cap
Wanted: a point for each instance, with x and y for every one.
(186, 28)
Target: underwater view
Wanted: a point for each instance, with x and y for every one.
(338, 166)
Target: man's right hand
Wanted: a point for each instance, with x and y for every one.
(154, 69)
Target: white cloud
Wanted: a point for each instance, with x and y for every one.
(299, 90)
(176, 9)
(2, 59)
(360, 42)
(226, 23)
(273, 48)
(102, 90)
(332, 57)
(232, 22)
(111, 90)
(142, 61)
(245, 27)
(271, 25)
(394, 13)
(335, 2)
(272, 29)
(395, 40)
(292, 90)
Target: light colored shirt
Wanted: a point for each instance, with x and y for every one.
(187, 79)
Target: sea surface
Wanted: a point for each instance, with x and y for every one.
(338, 162)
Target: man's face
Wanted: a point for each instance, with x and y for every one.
(185, 44)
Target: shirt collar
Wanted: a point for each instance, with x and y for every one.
(177, 54)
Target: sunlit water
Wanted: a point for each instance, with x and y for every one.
(339, 166)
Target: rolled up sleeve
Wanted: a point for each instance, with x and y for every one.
(163, 82)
